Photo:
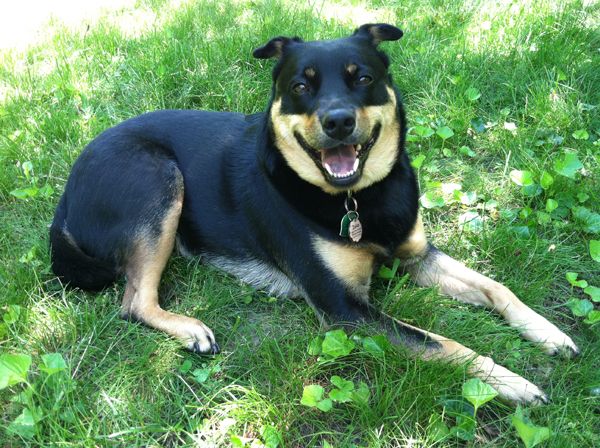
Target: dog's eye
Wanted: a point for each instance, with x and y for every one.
(364, 81)
(300, 88)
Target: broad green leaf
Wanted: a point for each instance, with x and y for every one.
(521, 231)
(13, 369)
(477, 392)
(572, 279)
(581, 134)
(531, 190)
(432, 199)
(530, 434)
(311, 395)
(23, 425)
(341, 383)
(593, 292)
(375, 345)
(543, 218)
(582, 197)
(595, 250)
(452, 188)
(437, 430)
(593, 317)
(444, 132)
(423, 131)
(343, 393)
(580, 307)
(237, 441)
(336, 344)
(465, 427)
(471, 222)
(478, 125)
(466, 151)
(185, 366)
(314, 347)
(417, 162)
(24, 193)
(361, 394)
(468, 197)
(340, 396)
(52, 363)
(389, 273)
(525, 213)
(325, 405)
(522, 177)
(568, 165)
(472, 94)
(271, 437)
(546, 180)
(589, 220)
(551, 205)
(12, 314)
(201, 375)
(27, 169)
(46, 191)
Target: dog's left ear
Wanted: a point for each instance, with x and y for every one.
(275, 47)
(378, 32)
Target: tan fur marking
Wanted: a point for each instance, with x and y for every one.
(352, 265)
(143, 271)
(383, 154)
(381, 157)
(310, 72)
(351, 69)
(416, 243)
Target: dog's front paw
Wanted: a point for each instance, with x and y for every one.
(553, 340)
(510, 386)
(199, 338)
(520, 391)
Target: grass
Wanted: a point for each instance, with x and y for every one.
(534, 64)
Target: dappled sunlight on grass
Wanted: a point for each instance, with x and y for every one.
(514, 81)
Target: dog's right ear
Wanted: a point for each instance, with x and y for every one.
(274, 48)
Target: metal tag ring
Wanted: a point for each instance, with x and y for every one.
(348, 208)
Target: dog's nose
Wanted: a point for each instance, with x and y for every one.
(338, 123)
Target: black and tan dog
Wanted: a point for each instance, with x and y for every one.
(306, 200)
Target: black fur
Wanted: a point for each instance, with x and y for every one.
(241, 199)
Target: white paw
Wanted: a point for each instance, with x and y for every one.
(510, 386)
(198, 338)
(538, 329)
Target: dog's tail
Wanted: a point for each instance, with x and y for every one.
(72, 265)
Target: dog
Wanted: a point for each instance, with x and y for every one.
(306, 199)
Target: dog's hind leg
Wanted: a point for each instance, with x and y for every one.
(429, 266)
(143, 270)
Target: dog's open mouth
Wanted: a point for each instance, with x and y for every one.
(341, 164)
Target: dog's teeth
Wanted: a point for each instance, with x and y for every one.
(358, 148)
(355, 167)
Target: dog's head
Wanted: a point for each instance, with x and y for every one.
(334, 111)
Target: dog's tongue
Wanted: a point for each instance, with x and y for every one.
(339, 160)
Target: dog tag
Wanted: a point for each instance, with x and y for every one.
(348, 218)
(355, 230)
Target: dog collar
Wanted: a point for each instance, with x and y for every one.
(350, 227)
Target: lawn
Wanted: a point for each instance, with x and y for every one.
(503, 100)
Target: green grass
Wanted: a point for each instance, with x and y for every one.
(535, 64)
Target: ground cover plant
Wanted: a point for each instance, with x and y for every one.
(503, 100)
